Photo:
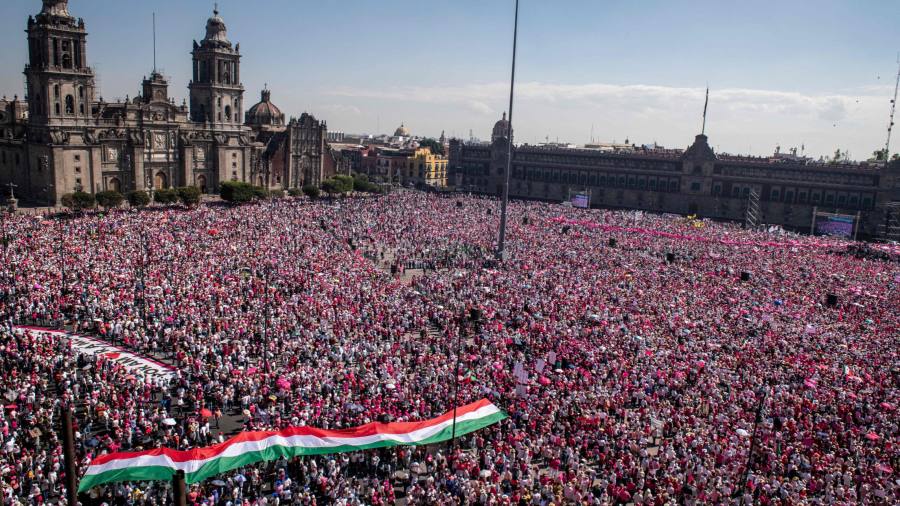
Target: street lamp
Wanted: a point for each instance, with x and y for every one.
(474, 317)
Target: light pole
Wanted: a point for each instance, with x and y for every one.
(501, 243)
(475, 318)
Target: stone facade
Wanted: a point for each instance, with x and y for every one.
(61, 138)
(696, 181)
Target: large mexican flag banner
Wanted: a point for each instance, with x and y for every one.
(252, 447)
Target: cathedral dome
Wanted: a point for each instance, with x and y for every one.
(215, 29)
(501, 129)
(265, 113)
(401, 131)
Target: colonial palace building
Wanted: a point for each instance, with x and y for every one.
(62, 138)
(785, 191)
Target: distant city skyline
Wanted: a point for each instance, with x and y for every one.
(780, 73)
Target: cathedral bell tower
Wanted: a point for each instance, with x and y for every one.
(60, 83)
(216, 90)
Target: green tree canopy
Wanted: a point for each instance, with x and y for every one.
(436, 147)
(110, 199)
(138, 198)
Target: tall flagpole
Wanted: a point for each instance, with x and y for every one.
(705, 105)
(154, 42)
(501, 243)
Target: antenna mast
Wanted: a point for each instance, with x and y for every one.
(154, 42)
(887, 145)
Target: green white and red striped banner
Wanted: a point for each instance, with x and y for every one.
(252, 447)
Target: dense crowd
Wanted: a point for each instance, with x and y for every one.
(642, 370)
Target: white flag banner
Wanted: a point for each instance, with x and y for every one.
(88, 345)
(539, 365)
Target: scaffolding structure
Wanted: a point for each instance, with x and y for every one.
(752, 218)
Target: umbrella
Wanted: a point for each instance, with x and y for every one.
(742, 433)
(872, 436)
(218, 483)
(390, 386)
(169, 421)
(205, 413)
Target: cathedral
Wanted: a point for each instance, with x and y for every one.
(61, 138)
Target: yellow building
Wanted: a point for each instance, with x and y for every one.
(425, 168)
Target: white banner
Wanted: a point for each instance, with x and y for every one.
(138, 364)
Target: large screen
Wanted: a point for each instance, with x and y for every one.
(581, 200)
(839, 226)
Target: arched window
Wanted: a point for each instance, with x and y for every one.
(114, 185)
(227, 113)
(81, 92)
(57, 109)
(67, 61)
(56, 91)
(70, 104)
(81, 109)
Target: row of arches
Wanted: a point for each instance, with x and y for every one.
(160, 182)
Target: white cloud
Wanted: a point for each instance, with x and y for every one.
(741, 120)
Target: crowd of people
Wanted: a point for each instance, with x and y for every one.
(641, 358)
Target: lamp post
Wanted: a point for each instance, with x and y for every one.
(501, 242)
(756, 422)
(474, 317)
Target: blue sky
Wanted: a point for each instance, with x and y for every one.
(786, 72)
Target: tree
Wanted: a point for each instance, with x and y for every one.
(110, 199)
(189, 195)
(78, 201)
(276, 194)
(311, 191)
(238, 192)
(436, 147)
(344, 182)
(165, 196)
(361, 183)
(295, 192)
(138, 198)
(330, 186)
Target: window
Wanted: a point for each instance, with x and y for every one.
(775, 194)
(57, 108)
(70, 104)
(801, 197)
(56, 91)
(695, 187)
(227, 113)
(841, 200)
(789, 196)
(18, 160)
(717, 189)
(77, 158)
(77, 170)
(829, 199)
(81, 92)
